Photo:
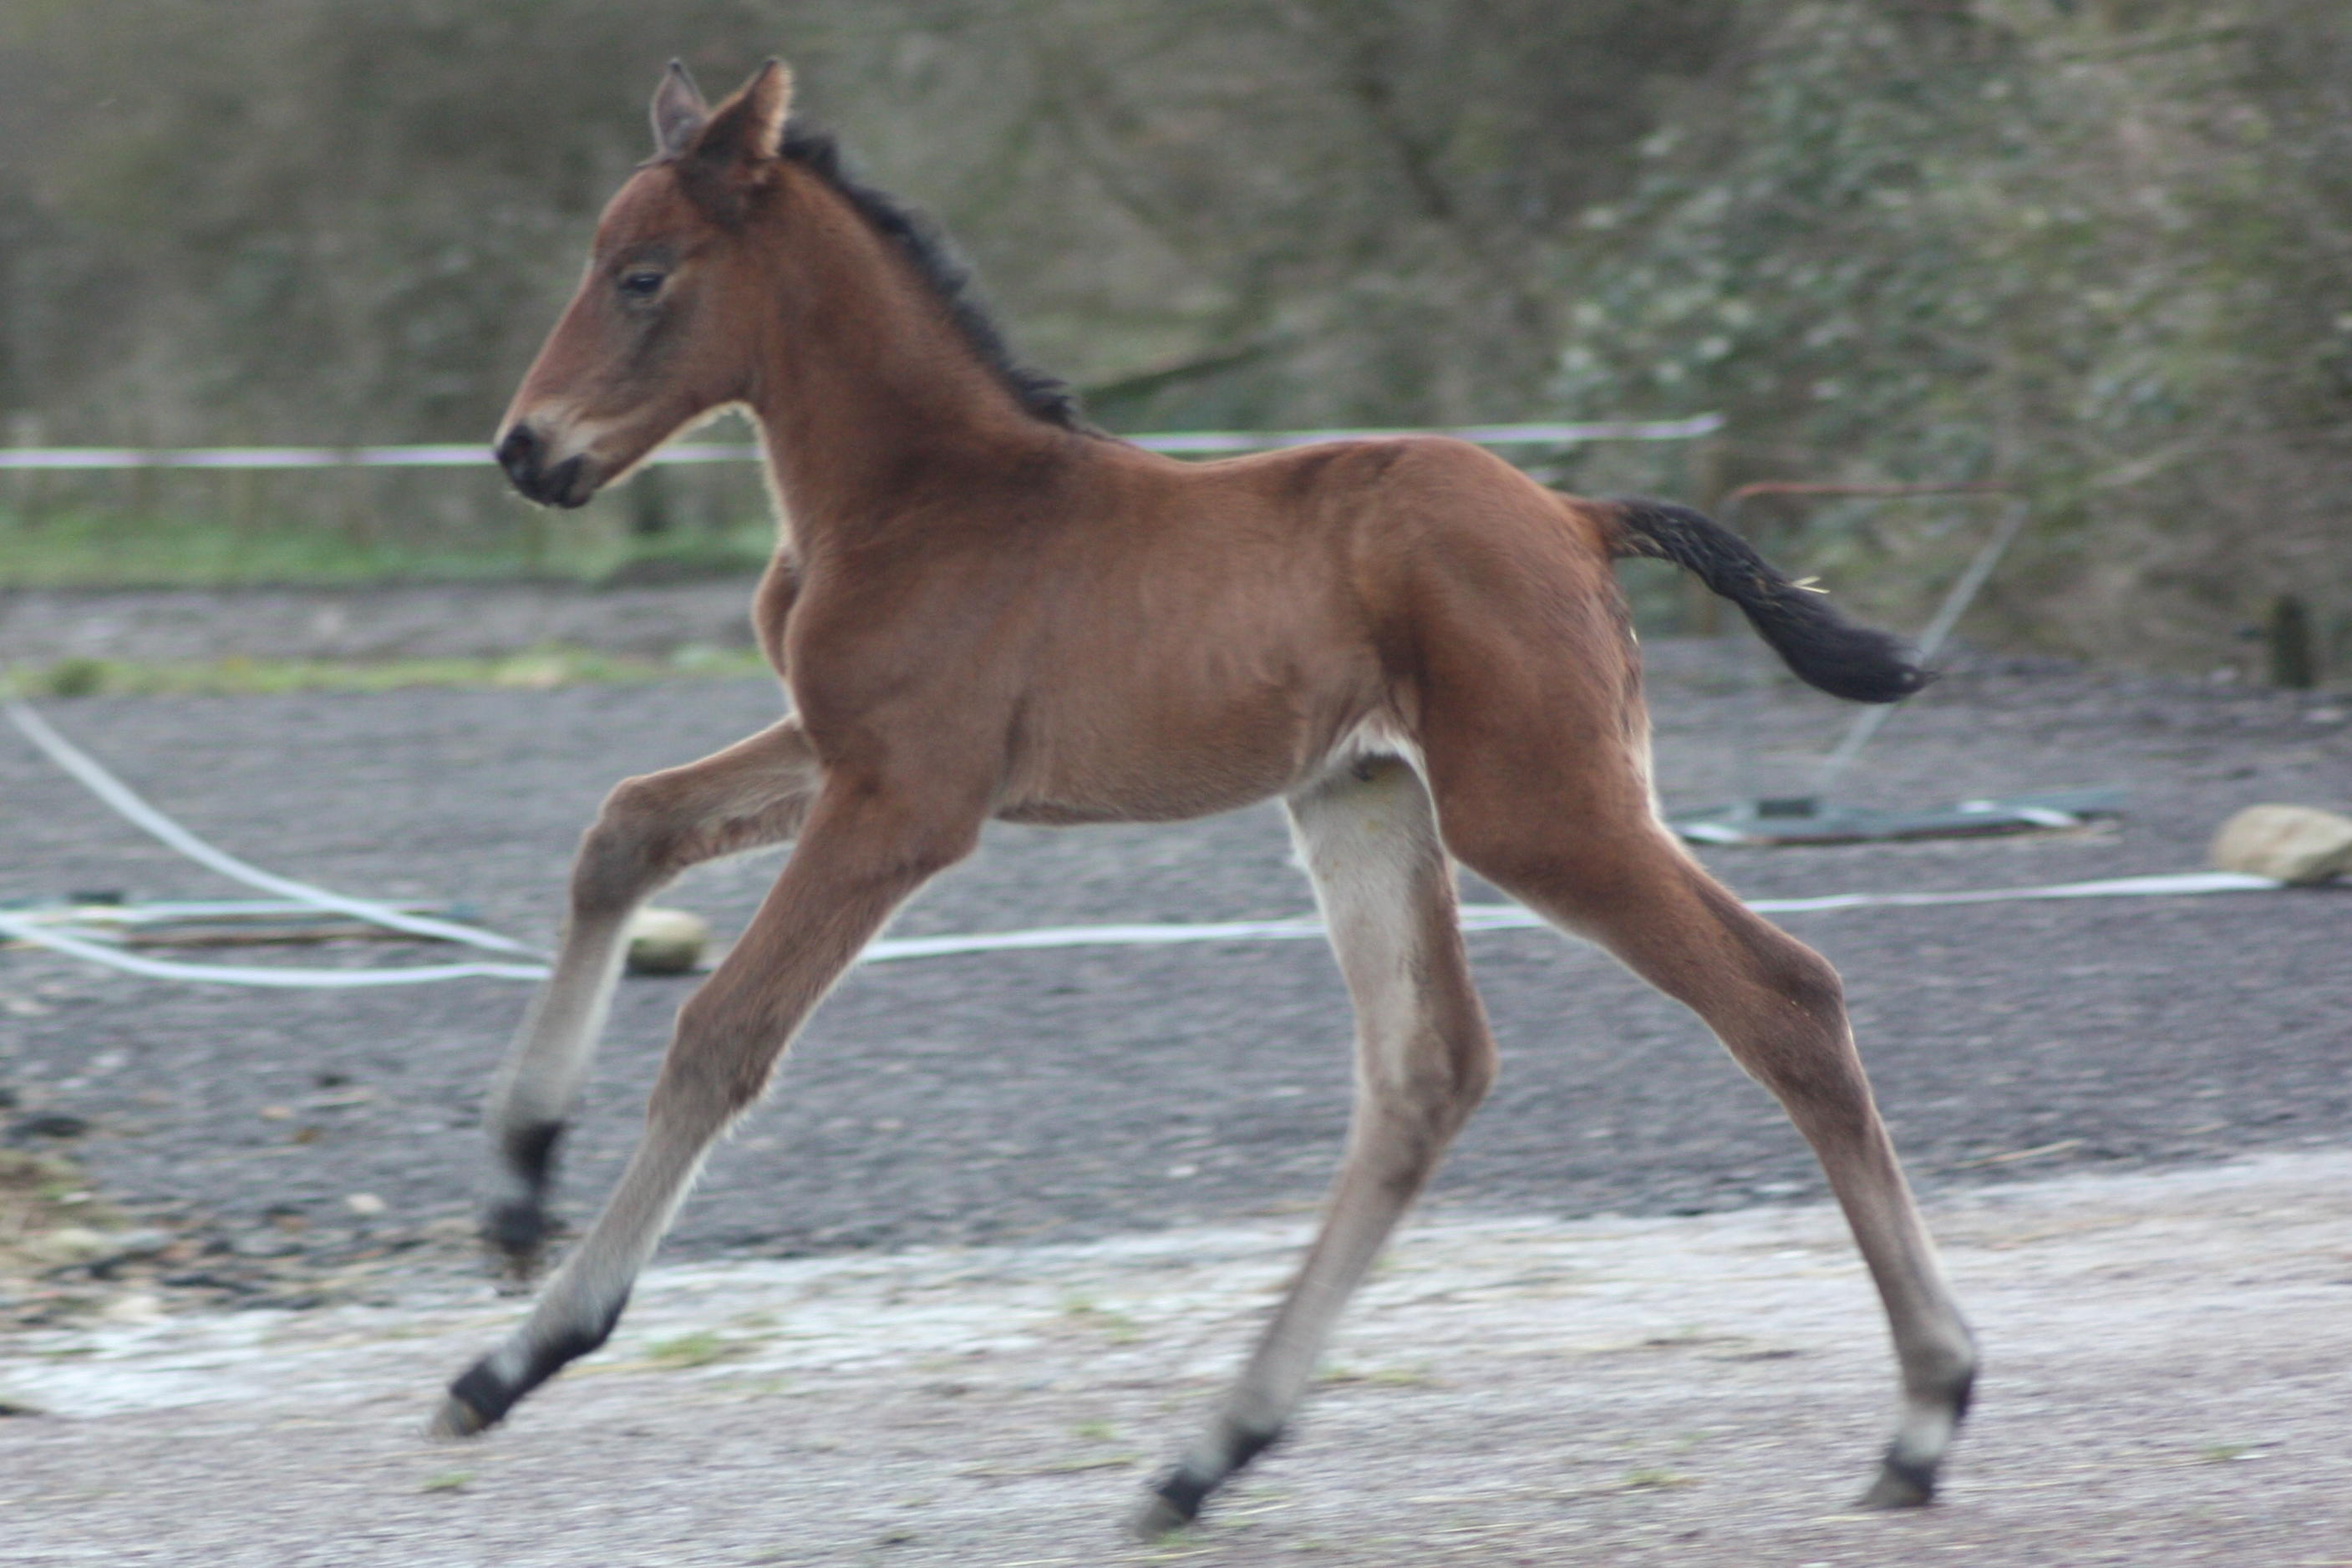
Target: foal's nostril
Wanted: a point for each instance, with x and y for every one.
(519, 454)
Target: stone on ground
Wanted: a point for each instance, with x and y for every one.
(2298, 844)
(667, 941)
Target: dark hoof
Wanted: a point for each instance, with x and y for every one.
(1174, 1503)
(516, 1235)
(456, 1419)
(1159, 1517)
(481, 1398)
(1900, 1484)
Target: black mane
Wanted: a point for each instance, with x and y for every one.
(933, 257)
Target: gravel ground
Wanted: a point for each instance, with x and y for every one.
(2166, 1386)
(1062, 1096)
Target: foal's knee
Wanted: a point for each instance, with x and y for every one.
(1430, 1096)
(1470, 1066)
(624, 853)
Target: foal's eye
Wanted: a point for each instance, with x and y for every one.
(640, 285)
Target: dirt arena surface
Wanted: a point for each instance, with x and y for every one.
(308, 1158)
(2165, 1384)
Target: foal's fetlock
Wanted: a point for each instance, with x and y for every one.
(1176, 1498)
(1906, 1475)
(480, 1398)
(516, 1224)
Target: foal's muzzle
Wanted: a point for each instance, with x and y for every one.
(522, 452)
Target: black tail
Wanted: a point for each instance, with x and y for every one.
(1860, 663)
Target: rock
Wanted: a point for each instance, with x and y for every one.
(68, 1244)
(2296, 844)
(667, 942)
(130, 1247)
(136, 1307)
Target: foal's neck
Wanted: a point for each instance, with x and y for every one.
(871, 398)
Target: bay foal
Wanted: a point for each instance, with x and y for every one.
(982, 608)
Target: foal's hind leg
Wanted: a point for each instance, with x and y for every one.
(651, 828)
(1423, 1060)
(1778, 1006)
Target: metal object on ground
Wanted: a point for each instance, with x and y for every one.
(2293, 654)
(218, 923)
(1813, 818)
(1809, 820)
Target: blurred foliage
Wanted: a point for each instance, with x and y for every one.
(2096, 251)
(347, 219)
(2097, 248)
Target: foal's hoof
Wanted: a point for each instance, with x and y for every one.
(1174, 1503)
(1159, 1517)
(456, 1419)
(1900, 1484)
(515, 1234)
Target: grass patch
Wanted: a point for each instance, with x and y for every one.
(1655, 1481)
(35, 1191)
(41, 1194)
(1115, 1326)
(692, 1350)
(323, 528)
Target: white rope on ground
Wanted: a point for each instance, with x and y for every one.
(1475, 917)
(1478, 917)
(118, 795)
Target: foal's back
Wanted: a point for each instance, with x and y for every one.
(1212, 634)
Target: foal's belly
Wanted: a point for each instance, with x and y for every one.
(1173, 764)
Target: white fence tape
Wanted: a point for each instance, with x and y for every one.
(249, 458)
(1478, 917)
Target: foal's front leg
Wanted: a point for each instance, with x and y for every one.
(651, 828)
(865, 847)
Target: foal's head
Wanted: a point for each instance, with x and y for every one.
(656, 337)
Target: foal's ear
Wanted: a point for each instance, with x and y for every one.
(679, 112)
(748, 127)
